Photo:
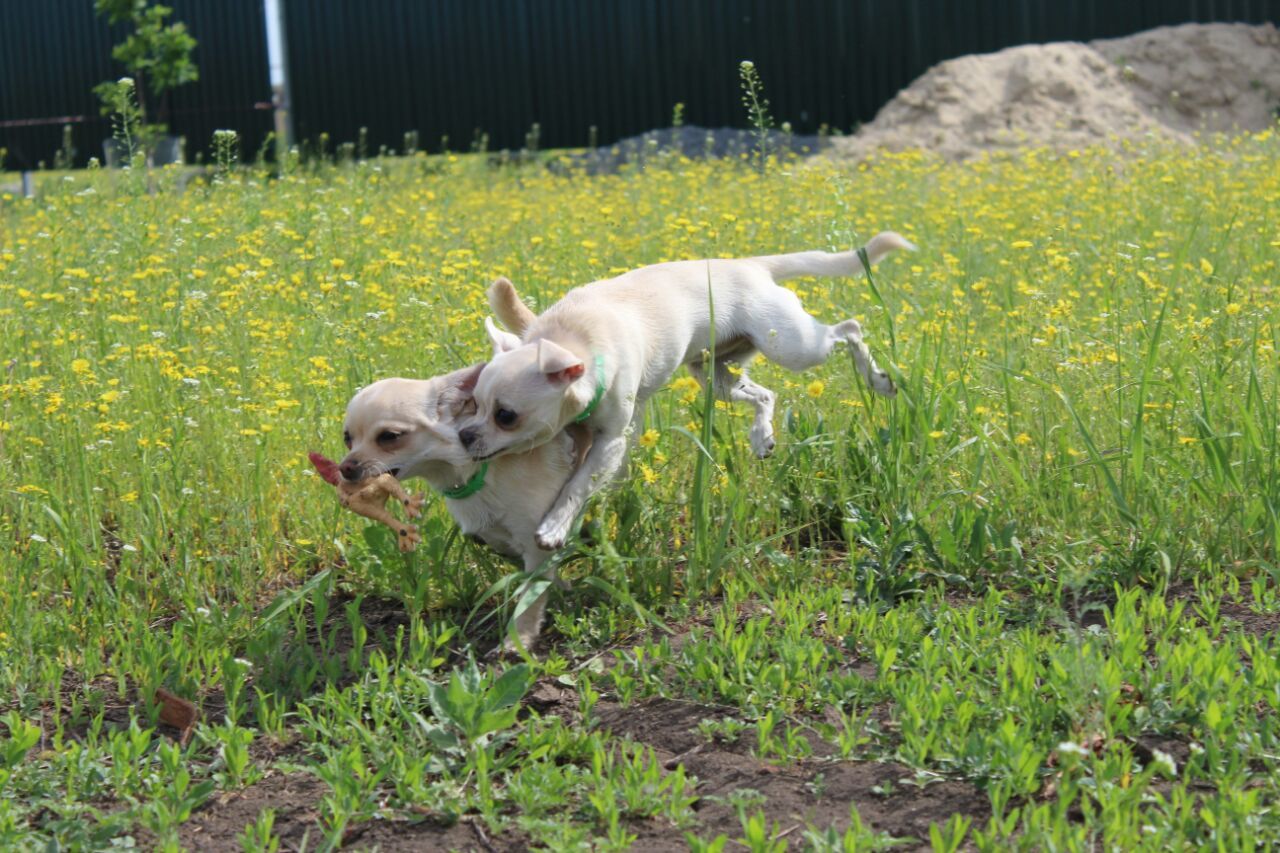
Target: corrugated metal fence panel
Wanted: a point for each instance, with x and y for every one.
(234, 90)
(454, 68)
(53, 52)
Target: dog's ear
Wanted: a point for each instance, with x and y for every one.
(465, 380)
(502, 341)
(506, 304)
(456, 390)
(557, 363)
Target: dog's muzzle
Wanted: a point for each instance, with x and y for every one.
(354, 472)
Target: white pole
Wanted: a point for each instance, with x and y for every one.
(278, 62)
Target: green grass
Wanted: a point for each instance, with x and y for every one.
(1039, 587)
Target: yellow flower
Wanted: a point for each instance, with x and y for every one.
(1206, 267)
(937, 433)
(688, 388)
(1021, 244)
(648, 474)
(30, 489)
(1234, 308)
(1022, 438)
(649, 438)
(129, 497)
(337, 263)
(815, 388)
(80, 366)
(1187, 439)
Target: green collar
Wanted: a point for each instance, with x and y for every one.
(469, 488)
(595, 399)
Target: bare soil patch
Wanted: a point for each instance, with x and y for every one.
(296, 799)
(815, 792)
(1251, 622)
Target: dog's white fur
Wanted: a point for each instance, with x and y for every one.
(518, 490)
(646, 323)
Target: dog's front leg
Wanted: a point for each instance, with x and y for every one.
(528, 623)
(596, 470)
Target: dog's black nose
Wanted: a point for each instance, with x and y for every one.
(349, 470)
(468, 436)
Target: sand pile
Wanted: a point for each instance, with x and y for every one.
(1168, 82)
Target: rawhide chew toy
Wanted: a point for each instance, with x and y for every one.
(369, 498)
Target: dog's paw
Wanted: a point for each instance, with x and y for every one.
(408, 537)
(762, 443)
(506, 652)
(551, 534)
(514, 648)
(550, 541)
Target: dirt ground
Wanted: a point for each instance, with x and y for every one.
(1166, 84)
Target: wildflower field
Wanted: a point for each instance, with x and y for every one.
(1030, 603)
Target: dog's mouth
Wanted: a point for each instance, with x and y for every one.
(369, 475)
(518, 446)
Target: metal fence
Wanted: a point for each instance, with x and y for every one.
(53, 52)
(457, 68)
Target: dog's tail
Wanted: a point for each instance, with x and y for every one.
(506, 304)
(833, 263)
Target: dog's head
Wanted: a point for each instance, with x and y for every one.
(524, 396)
(401, 425)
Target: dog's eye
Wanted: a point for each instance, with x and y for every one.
(387, 436)
(346, 439)
(505, 418)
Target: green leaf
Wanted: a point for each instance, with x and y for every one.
(1213, 715)
(22, 737)
(495, 721)
(441, 705)
(509, 689)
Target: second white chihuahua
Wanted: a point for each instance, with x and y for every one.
(600, 352)
(408, 427)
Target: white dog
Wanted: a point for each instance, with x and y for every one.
(407, 427)
(600, 352)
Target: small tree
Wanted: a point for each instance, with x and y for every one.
(157, 55)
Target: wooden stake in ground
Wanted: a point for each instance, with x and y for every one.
(177, 712)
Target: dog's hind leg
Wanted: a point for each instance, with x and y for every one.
(788, 335)
(528, 622)
(733, 384)
(761, 398)
(850, 331)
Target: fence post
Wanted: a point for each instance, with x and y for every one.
(278, 63)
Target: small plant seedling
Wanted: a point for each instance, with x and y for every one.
(726, 730)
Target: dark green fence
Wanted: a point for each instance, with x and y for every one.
(456, 68)
(53, 52)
